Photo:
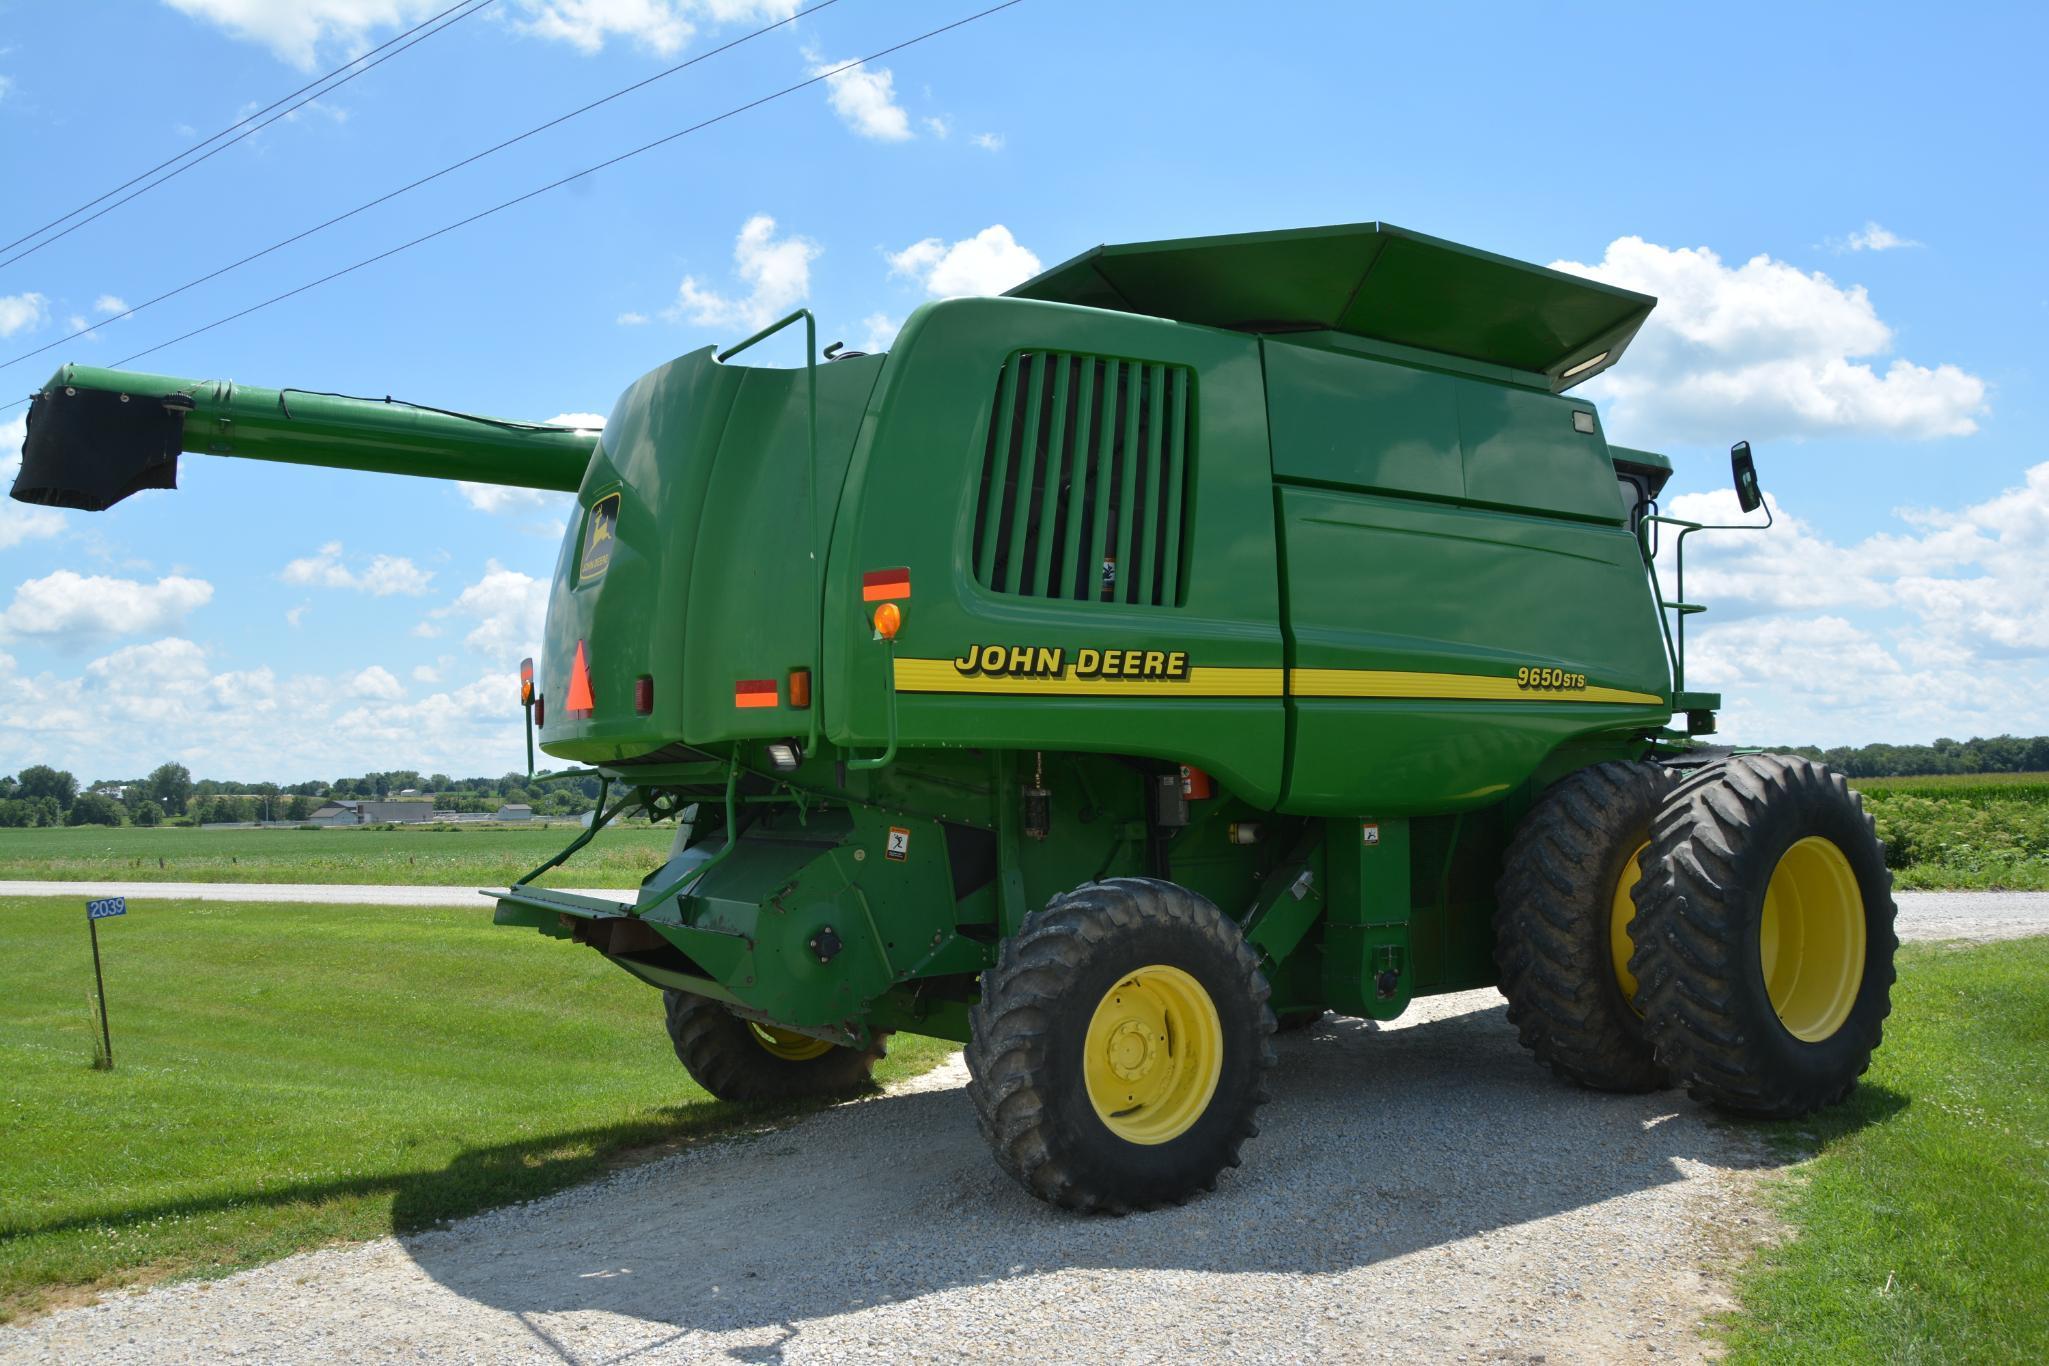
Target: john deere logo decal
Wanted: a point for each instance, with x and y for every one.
(598, 535)
(1041, 661)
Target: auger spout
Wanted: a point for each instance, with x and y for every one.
(95, 436)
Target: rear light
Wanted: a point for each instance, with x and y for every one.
(644, 694)
(800, 687)
(540, 710)
(785, 755)
(526, 681)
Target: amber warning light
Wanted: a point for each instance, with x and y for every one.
(526, 682)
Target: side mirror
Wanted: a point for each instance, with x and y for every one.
(1743, 470)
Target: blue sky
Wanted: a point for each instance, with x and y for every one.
(1842, 215)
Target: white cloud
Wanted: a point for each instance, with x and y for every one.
(988, 263)
(383, 577)
(938, 125)
(21, 312)
(507, 609)
(20, 522)
(865, 99)
(70, 608)
(296, 616)
(988, 142)
(632, 319)
(110, 303)
(1764, 349)
(582, 422)
(778, 271)
(426, 673)
(1939, 626)
(881, 330)
(377, 684)
(143, 704)
(301, 31)
(1875, 237)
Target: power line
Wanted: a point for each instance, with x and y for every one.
(404, 189)
(257, 128)
(558, 184)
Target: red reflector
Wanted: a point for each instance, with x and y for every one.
(579, 702)
(880, 585)
(754, 692)
(800, 688)
(644, 694)
(540, 710)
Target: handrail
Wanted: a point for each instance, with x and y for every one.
(1681, 609)
(648, 900)
(600, 818)
(810, 506)
(888, 755)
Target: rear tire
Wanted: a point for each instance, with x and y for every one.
(1564, 887)
(1120, 1047)
(739, 1060)
(1765, 936)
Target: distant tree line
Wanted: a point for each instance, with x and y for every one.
(1996, 754)
(44, 796)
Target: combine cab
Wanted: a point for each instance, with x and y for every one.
(1202, 637)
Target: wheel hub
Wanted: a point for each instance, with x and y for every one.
(1153, 1055)
(1811, 939)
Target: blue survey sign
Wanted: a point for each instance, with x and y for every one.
(106, 906)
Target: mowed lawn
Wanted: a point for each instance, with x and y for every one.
(493, 856)
(287, 1076)
(1923, 1221)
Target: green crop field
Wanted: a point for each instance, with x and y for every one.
(1918, 1225)
(1973, 831)
(492, 855)
(289, 1076)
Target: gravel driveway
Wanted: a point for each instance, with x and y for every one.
(1419, 1190)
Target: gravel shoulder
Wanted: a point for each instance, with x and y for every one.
(1420, 1190)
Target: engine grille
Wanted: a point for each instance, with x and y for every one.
(1085, 480)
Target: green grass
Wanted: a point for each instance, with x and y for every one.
(618, 857)
(1920, 1226)
(1962, 786)
(289, 1076)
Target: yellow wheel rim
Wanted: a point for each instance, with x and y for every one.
(787, 1044)
(1154, 1052)
(1811, 939)
(1621, 911)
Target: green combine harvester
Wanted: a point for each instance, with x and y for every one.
(1203, 636)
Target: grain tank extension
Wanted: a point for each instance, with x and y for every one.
(1205, 636)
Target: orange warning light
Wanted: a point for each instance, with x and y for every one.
(800, 687)
(889, 619)
(526, 682)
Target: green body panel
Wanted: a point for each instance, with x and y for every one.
(1304, 512)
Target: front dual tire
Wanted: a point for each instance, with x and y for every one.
(1728, 929)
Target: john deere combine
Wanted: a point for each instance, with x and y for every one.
(1206, 635)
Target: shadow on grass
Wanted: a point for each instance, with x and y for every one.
(477, 1179)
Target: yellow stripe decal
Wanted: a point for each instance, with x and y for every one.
(1448, 687)
(940, 676)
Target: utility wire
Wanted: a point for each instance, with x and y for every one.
(404, 189)
(256, 114)
(474, 7)
(558, 184)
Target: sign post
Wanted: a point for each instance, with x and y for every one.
(95, 912)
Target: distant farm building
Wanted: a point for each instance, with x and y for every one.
(515, 811)
(372, 813)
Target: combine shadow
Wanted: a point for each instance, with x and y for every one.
(1409, 1137)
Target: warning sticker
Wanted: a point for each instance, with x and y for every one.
(899, 846)
(1369, 832)
(599, 532)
